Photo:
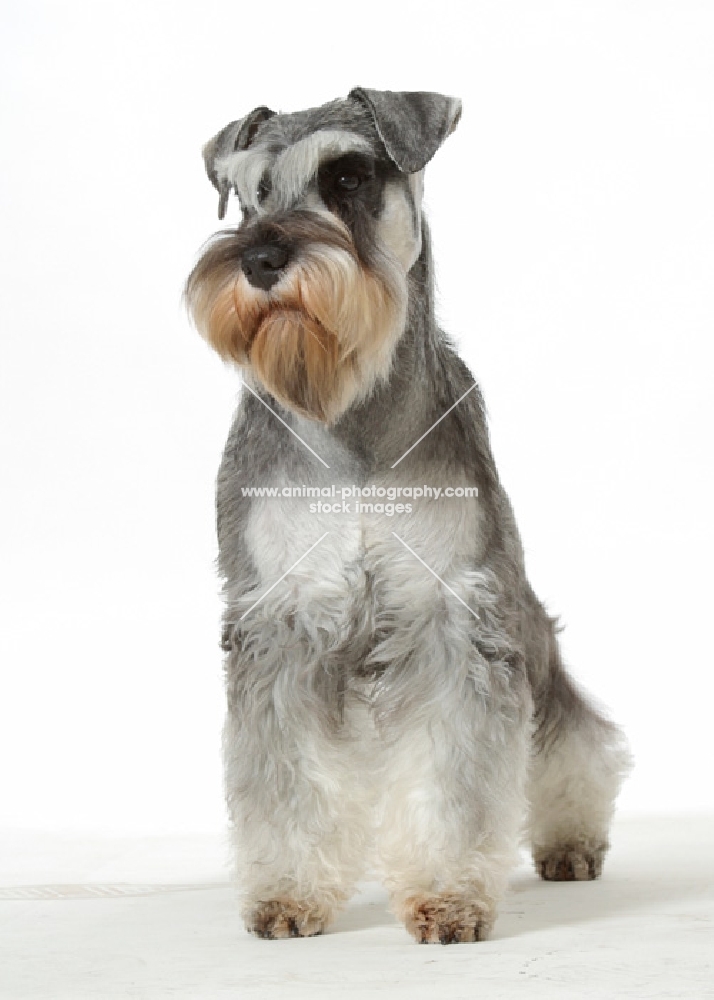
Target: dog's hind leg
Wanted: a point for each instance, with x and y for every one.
(580, 759)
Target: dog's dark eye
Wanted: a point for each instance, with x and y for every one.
(348, 182)
(263, 190)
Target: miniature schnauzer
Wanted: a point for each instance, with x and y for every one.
(395, 690)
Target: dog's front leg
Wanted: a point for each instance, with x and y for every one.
(299, 817)
(452, 811)
(454, 723)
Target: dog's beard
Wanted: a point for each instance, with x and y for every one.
(319, 340)
(297, 360)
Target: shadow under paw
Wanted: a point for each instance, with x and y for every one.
(285, 918)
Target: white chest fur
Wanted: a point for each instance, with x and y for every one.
(314, 554)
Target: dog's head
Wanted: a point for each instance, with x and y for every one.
(310, 292)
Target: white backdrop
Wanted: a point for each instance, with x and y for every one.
(572, 214)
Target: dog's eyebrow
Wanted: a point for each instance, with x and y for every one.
(243, 171)
(291, 170)
(295, 167)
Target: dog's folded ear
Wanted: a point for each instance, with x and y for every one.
(234, 137)
(412, 125)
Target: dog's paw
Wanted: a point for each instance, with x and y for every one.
(446, 919)
(570, 864)
(284, 918)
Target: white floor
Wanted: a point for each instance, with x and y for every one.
(154, 918)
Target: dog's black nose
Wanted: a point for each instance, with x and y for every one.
(263, 265)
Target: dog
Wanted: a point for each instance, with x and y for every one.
(395, 692)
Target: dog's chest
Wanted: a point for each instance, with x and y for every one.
(342, 551)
